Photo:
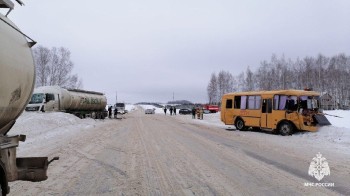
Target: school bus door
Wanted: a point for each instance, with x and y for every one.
(266, 114)
(228, 115)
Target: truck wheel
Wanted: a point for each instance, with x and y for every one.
(286, 128)
(2, 190)
(240, 124)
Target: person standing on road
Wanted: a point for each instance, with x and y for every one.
(110, 112)
(193, 113)
(115, 112)
(171, 111)
(201, 113)
(165, 110)
(174, 110)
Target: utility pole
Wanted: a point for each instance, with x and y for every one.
(116, 97)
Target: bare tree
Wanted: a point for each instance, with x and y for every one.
(212, 89)
(54, 67)
(240, 82)
(249, 80)
(323, 74)
(263, 81)
(225, 83)
(42, 58)
(321, 63)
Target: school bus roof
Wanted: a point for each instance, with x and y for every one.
(277, 92)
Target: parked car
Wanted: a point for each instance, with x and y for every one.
(149, 111)
(185, 111)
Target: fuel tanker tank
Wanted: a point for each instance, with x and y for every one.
(17, 76)
(82, 103)
(17, 73)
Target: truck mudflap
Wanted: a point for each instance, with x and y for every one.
(321, 120)
(33, 169)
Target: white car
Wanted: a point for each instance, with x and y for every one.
(149, 111)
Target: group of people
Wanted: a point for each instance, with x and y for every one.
(172, 110)
(197, 111)
(110, 108)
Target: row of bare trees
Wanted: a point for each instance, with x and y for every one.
(54, 67)
(220, 84)
(321, 73)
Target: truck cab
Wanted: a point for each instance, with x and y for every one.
(120, 107)
(42, 102)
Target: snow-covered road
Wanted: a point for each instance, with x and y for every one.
(164, 155)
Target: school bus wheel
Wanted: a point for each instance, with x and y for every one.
(286, 128)
(240, 124)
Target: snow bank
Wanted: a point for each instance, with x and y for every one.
(339, 118)
(38, 126)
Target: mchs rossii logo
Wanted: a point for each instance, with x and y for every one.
(319, 168)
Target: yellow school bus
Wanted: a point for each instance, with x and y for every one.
(281, 110)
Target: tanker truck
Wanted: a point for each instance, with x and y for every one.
(17, 76)
(78, 102)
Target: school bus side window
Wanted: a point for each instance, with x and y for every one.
(284, 102)
(276, 100)
(279, 102)
(237, 102)
(257, 102)
(243, 102)
(229, 103)
(254, 102)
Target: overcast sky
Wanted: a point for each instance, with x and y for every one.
(148, 50)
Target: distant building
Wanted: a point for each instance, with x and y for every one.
(327, 102)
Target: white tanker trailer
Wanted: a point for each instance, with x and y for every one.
(17, 75)
(78, 102)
